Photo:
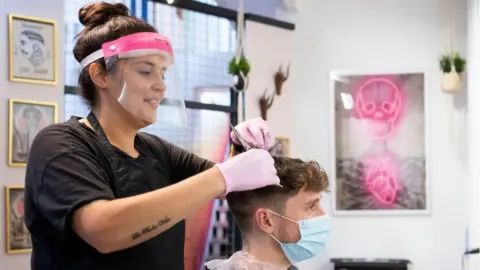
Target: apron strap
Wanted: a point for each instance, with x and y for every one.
(111, 155)
(103, 137)
(98, 129)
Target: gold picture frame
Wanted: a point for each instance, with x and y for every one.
(17, 236)
(32, 50)
(26, 118)
(281, 147)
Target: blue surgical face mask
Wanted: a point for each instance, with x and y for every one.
(314, 234)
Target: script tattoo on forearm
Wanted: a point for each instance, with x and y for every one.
(151, 228)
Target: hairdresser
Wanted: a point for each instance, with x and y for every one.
(102, 195)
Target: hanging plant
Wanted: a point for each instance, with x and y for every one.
(459, 63)
(240, 72)
(452, 66)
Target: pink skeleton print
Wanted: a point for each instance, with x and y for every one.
(381, 178)
(379, 103)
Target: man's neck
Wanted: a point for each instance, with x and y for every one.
(266, 249)
(118, 130)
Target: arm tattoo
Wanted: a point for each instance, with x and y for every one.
(151, 228)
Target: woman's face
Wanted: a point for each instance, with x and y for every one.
(139, 85)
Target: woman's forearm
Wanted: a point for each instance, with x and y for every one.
(115, 225)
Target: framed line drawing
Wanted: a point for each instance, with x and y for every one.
(282, 147)
(379, 143)
(32, 50)
(18, 238)
(26, 119)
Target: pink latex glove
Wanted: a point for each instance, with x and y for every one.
(249, 170)
(255, 132)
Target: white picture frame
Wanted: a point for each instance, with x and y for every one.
(343, 76)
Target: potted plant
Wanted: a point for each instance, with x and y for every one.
(239, 71)
(452, 66)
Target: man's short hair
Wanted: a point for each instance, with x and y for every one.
(295, 175)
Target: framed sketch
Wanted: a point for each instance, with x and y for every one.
(17, 234)
(281, 147)
(26, 119)
(32, 50)
(379, 144)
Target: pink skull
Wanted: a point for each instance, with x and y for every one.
(381, 178)
(380, 102)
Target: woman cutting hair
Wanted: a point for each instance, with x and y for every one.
(102, 195)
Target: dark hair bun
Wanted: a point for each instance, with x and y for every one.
(95, 14)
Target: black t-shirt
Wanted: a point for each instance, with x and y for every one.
(68, 167)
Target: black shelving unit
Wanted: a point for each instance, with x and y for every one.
(369, 264)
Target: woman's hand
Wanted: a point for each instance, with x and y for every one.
(247, 171)
(255, 132)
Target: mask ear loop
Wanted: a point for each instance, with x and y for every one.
(283, 216)
(274, 238)
(289, 219)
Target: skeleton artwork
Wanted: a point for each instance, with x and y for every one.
(280, 78)
(265, 103)
(379, 103)
(377, 176)
(381, 177)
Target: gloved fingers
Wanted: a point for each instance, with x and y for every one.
(260, 135)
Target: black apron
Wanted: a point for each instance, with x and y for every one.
(134, 176)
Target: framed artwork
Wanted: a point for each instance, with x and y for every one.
(17, 234)
(281, 147)
(26, 119)
(379, 143)
(32, 50)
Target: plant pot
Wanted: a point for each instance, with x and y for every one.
(451, 82)
(238, 82)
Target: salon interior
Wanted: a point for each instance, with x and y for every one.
(334, 79)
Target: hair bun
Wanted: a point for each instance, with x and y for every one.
(94, 14)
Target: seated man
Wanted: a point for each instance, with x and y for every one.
(280, 226)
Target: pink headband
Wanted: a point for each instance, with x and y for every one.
(132, 46)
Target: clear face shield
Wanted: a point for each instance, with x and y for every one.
(143, 78)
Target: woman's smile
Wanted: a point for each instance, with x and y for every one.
(153, 102)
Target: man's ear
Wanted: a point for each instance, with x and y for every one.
(98, 75)
(264, 220)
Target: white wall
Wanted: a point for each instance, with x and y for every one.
(16, 175)
(267, 48)
(378, 35)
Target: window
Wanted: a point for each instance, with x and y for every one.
(210, 2)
